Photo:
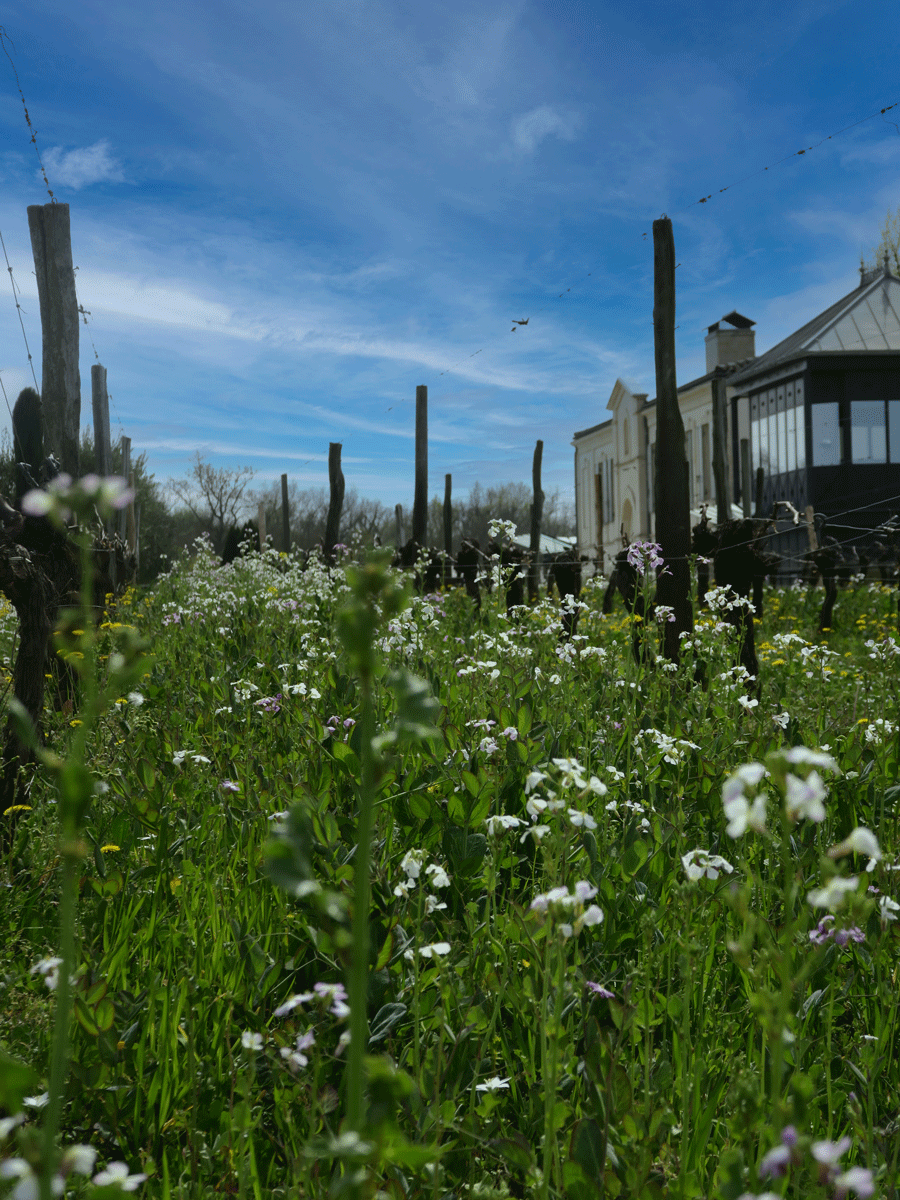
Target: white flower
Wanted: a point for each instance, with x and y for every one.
(698, 863)
(251, 1041)
(747, 703)
(49, 968)
(435, 950)
(813, 758)
(832, 895)
(536, 831)
(534, 779)
(860, 841)
(743, 778)
(501, 822)
(78, 1159)
(803, 797)
(828, 1153)
(781, 719)
(117, 1172)
(743, 815)
(294, 1002)
(888, 908)
(580, 819)
(439, 877)
(494, 1084)
(411, 864)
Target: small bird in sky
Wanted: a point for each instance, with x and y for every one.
(525, 322)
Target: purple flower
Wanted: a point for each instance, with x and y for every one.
(645, 554)
(598, 990)
(825, 930)
(270, 704)
(228, 785)
(349, 723)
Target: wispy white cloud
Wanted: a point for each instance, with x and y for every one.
(532, 128)
(76, 169)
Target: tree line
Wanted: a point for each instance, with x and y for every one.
(211, 500)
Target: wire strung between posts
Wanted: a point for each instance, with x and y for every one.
(703, 200)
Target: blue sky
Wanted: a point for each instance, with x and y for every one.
(287, 217)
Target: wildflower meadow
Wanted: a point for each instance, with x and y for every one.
(325, 888)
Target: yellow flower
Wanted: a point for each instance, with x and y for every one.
(107, 848)
(75, 722)
(17, 808)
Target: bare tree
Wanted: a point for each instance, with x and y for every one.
(215, 495)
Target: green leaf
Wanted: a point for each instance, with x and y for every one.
(16, 1080)
(105, 1015)
(465, 851)
(588, 1149)
(384, 1021)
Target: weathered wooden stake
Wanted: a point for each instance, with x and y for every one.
(537, 512)
(261, 522)
(126, 473)
(100, 403)
(285, 516)
(760, 484)
(398, 518)
(811, 527)
(719, 460)
(745, 476)
(131, 523)
(673, 515)
(448, 528)
(51, 245)
(336, 483)
(420, 502)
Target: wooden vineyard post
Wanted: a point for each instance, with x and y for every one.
(336, 503)
(126, 473)
(448, 528)
(760, 484)
(420, 501)
(261, 522)
(720, 474)
(537, 513)
(51, 244)
(745, 476)
(285, 516)
(398, 519)
(100, 405)
(673, 516)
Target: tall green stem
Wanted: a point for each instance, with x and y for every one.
(359, 950)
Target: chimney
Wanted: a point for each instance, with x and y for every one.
(733, 344)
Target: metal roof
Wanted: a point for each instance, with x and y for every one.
(868, 318)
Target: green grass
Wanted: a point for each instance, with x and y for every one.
(727, 1024)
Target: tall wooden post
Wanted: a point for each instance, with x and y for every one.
(398, 518)
(448, 527)
(261, 522)
(673, 515)
(130, 519)
(420, 502)
(100, 404)
(537, 512)
(336, 503)
(285, 516)
(51, 245)
(760, 485)
(745, 476)
(126, 474)
(719, 461)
